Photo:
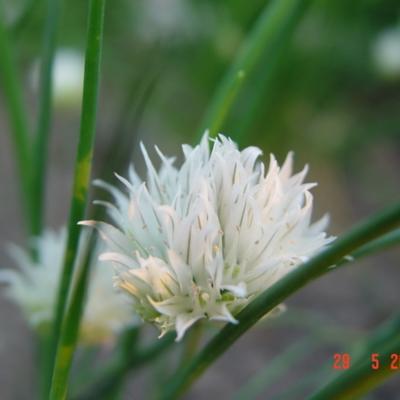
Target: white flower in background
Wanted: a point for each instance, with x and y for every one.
(386, 53)
(202, 240)
(67, 77)
(34, 288)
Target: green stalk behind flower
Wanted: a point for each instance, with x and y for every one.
(83, 164)
(271, 31)
(70, 329)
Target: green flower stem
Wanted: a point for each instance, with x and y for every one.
(13, 95)
(104, 384)
(116, 158)
(222, 102)
(360, 378)
(42, 133)
(271, 30)
(270, 298)
(84, 157)
(70, 329)
(42, 347)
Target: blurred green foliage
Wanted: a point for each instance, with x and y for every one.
(327, 100)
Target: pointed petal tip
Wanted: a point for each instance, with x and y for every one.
(87, 223)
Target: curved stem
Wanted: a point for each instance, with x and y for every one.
(41, 139)
(70, 329)
(272, 29)
(83, 162)
(270, 298)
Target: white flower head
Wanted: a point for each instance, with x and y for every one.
(386, 53)
(34, 288)
(67, 77)
(202, 240)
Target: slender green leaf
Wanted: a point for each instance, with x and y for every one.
(272, 29)
(125, 133)
(361, 378)
(70, 329)
(84, 157)
(13, 95)
(42, 133)
(222, 102)
(270, 298)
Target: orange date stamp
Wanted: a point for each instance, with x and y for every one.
(342, 361)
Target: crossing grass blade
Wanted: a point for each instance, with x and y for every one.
(70, 329)
(83, 162)
(272, 30)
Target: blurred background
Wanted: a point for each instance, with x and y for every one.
(333, 97)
